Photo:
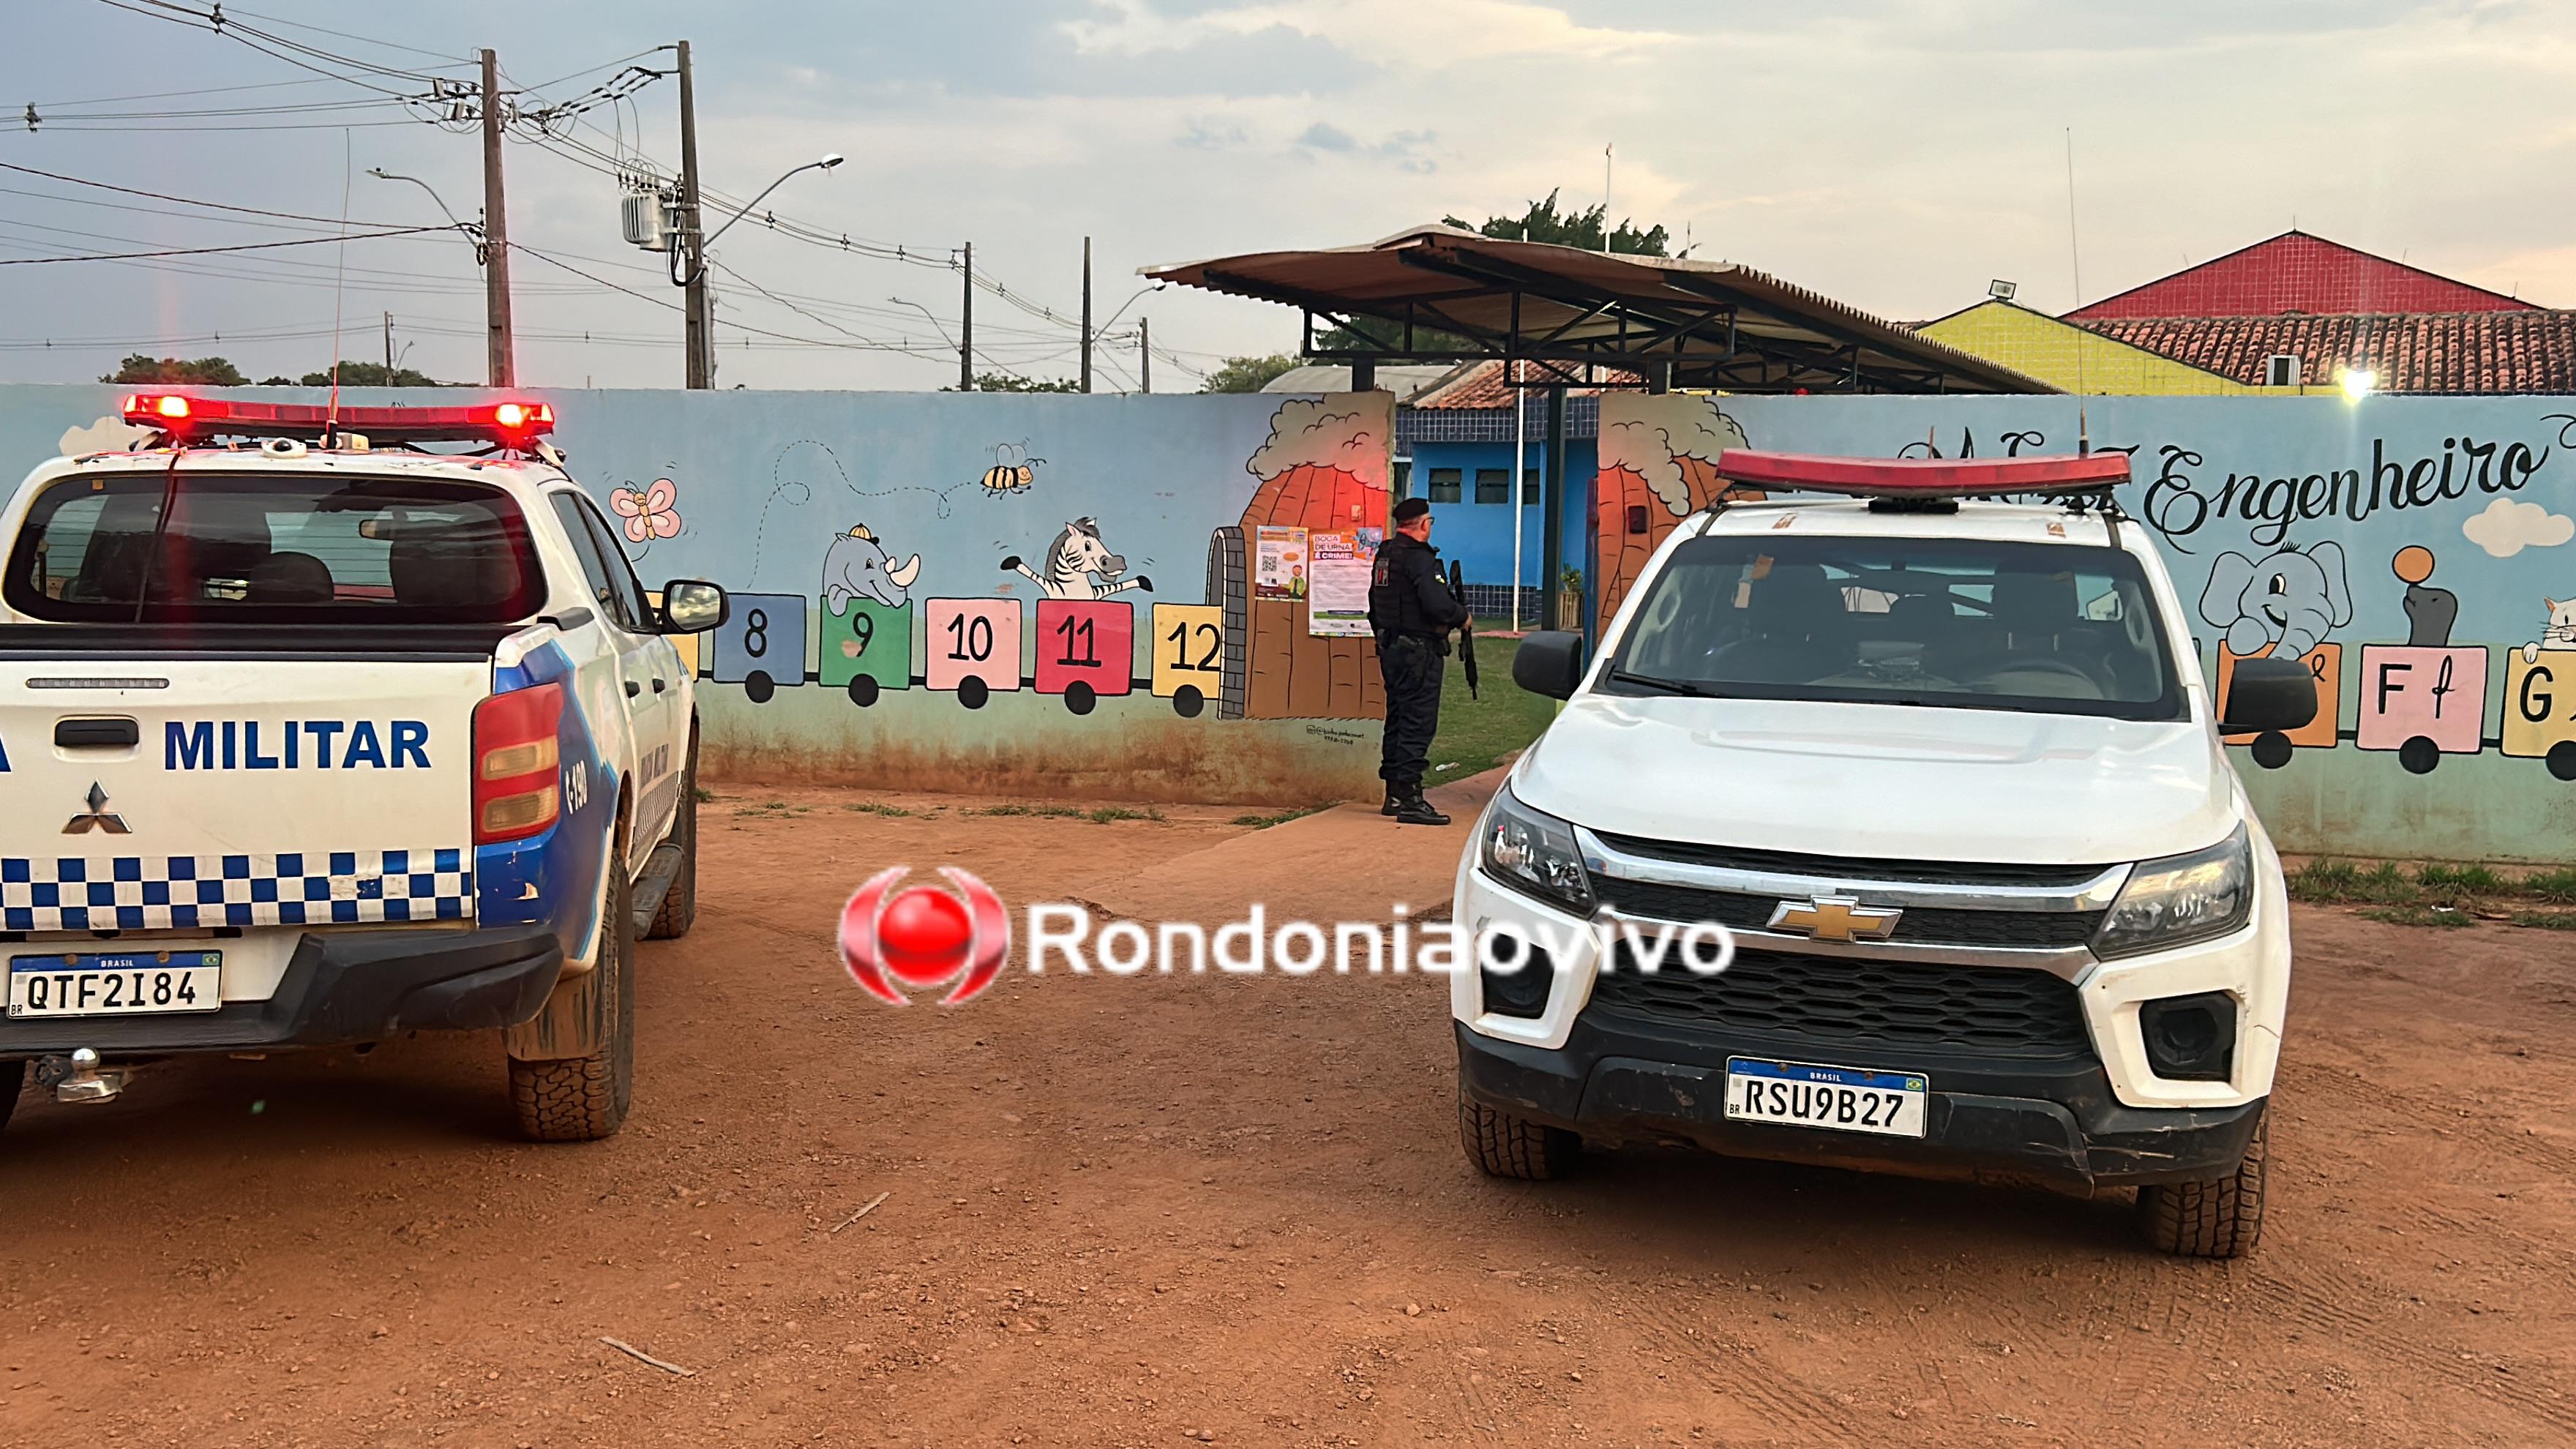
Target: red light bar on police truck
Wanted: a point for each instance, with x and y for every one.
(508, 423)
(1924, 477)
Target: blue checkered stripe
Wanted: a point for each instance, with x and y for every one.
(191, 892)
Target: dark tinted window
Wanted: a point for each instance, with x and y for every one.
(599, 575)
(1493, 485)
(293, 548)
(1444, 485)
(1958, 622)
(633, 610)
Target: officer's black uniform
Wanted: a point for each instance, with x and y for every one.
(1411, 611)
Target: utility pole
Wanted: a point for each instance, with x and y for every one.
(1086, 314)
(1144, 354)
(389, 349)
(695, 332)
(496, 233)
(966, 326)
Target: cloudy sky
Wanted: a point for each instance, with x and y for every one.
(1894, 155)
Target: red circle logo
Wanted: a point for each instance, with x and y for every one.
(924, 936)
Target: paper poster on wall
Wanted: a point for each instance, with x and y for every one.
(1338, 563)
(1279, 564)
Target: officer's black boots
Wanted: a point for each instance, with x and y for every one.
(1394, 801)
(1415, 809)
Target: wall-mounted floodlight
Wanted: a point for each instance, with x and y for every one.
(2001, 290)
(2358, 382)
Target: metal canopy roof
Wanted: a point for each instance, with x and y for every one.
(1674, 323)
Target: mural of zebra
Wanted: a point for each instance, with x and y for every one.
(1080, 566)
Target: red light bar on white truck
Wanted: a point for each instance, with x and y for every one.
(1924, 477)
(511, 424)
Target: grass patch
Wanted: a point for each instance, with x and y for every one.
(2552, 885)
(1264, 822)
(1107, 814)
(1475, 734)
(773, 807)
(2546, 920)
(2340, 882)
(702, 794)
(873, 807)
(2419, 916)
(2468, 879)
(1050, 812)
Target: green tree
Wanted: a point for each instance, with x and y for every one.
(1006, 382)
(1248, 374)
(1542, 222)
(372, 374)
(204, 372)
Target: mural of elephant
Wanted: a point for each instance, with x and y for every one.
(858, 567)
(2291, 599)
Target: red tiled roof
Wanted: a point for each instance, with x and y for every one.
(1481, 385)
(2296, 272)
(2531, 351)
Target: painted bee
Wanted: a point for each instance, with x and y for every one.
(1013, 469)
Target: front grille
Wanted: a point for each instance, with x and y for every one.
(1941, 872)
(1838, 1003)
(1919, 926)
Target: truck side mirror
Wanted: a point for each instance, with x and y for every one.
(1549, 662)
(693, 606)
(2268, 695)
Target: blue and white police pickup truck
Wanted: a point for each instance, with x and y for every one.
(313, 735)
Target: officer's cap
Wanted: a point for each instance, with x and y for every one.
(1411, 509)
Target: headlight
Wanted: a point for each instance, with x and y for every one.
(1535, 854)
(2180, 899)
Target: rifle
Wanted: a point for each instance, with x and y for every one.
(1466, 629)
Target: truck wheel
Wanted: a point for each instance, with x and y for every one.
(1508, 1146)
(2221, 1217)
(584, 1099)
(679, 909)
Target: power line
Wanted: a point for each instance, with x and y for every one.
(204, 251)
(185, 200)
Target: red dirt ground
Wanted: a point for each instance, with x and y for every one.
(1138, 1211)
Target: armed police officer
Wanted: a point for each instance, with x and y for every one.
(1411, 611)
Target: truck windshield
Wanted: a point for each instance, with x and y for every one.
(297, 548)
(1961, 623)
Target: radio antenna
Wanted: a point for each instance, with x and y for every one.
(2075, 260)
(340, 275)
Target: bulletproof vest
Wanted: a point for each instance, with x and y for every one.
(1394, 607)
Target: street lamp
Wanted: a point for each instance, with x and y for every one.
(830, 160)
(381, 174)
(928, 315)
(1123, 306)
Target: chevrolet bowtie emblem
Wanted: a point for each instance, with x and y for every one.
(96, 817)
(1835, 918)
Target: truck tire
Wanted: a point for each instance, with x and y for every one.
(1508, 1146)
(584, 1099)
(679, 908)
(2219, 1217)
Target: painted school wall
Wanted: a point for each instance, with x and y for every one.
(2418, 543)
(1170, 685)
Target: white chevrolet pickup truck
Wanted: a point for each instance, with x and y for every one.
(313, 737)
(1944, 768)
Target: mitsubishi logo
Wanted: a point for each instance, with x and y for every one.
(96, 817)
(1835, 918)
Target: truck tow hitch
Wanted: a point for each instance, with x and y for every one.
(77, 1078)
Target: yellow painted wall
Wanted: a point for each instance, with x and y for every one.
(2040, 346)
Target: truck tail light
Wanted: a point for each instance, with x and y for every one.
(515, 792)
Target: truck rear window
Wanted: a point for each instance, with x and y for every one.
(1962, 623)
(303, 548)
